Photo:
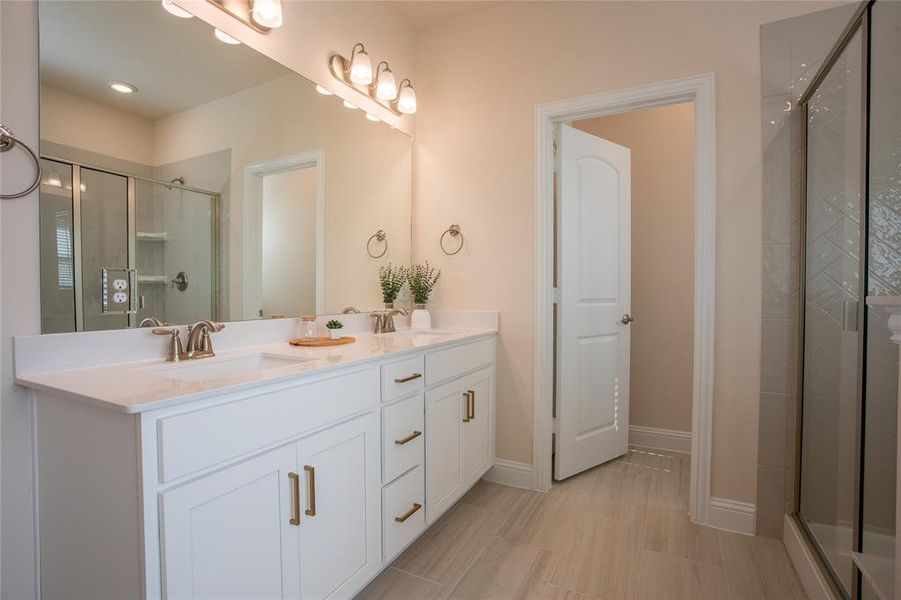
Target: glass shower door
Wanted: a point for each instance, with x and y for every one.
(832, 312)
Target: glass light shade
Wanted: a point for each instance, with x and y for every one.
(268, 13)
(361, 69)
(372, 118)
(386, 86)
(178, 11)
(406, 103)
(350, 105)
(54, 179)
(224, 37)
(323, 91)
(123, 87)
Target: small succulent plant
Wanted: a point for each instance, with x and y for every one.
(334, 324)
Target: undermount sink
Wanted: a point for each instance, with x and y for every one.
(226, 367)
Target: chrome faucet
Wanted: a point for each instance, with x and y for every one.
(200, 345)
(384, 320)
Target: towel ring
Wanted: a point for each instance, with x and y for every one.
(7, 142)
(453, 231)
(380, 236)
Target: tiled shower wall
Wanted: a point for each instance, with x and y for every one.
(791, 52)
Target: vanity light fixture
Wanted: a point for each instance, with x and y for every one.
(123, 87)
(406, 101)
(323, 91)
(267, 13)
(224, 37)
(356, 72)
(350, 105)
(385, 85)
(171, 8)
(373, 118)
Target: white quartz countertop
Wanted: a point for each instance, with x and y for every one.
(135, 387)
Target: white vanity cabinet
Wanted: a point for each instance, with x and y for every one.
(302, 487)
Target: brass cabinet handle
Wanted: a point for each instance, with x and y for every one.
(311, 490)
(409, 513)
(295, 498)
(409, 438)
(466, 412)
(472, 404)
(407, 378)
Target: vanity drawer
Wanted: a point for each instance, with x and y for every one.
(401, 519)
(402, 377)
(189, 442)
(446, 364)
(403, 426)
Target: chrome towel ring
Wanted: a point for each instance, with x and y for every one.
(380, 236)
(8, 141)
(453, 231)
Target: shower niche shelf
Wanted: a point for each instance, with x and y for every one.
(151, 236)
(153, 279)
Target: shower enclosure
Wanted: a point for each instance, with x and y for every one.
(163, 235)
(851, 250)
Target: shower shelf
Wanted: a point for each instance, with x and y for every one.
(153, 279)
(151, 236)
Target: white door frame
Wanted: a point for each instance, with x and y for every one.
(700, 90)
(253, 225)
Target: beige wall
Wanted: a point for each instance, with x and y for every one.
(74, 120)
(662, 144)
(479, 79)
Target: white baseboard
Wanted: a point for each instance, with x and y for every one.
(655, 438)
(512, 473)
(805, 563)
(732, 515)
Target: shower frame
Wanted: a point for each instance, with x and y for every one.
(859, 22)
(215, 197)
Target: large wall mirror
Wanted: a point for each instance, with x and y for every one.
(187, 178)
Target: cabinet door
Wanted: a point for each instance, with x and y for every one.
(228, 535)
(444, 412)
(340, 526)
(477, 429)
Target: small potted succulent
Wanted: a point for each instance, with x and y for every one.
(392, 278)
(334, 329)
(422, 280)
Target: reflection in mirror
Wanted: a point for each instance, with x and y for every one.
(217, 185)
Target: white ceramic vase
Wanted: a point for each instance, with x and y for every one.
(420, 319)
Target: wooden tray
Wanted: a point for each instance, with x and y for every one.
(321, 342)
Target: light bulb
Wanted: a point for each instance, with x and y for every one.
(385, 85)
(360, 67)
(323, 91)
(178, 11)
(224, 37)
(350, 105)
(406, 102)
(268, 13)
(123, 87)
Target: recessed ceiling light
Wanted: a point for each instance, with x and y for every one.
(350, 105)
(372, 118)
(224, 37)
(178, 11)
(123, 87)
(323, 91)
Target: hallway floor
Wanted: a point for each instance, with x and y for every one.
(619, 531)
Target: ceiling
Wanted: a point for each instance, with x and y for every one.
(420, 14)
(175, 63)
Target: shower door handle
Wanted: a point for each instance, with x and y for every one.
(849, 315)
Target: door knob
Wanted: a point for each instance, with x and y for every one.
(627, 318)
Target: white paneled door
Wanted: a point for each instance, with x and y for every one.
(594, 280)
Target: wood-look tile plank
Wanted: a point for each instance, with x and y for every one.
(758, 567)
(601, 558)
(550, 591)
(620, 493)
(497, 497)
(665, 577)
(670, 531)
(670, 485)
(392, 584)
(505, 570)
(450, 545)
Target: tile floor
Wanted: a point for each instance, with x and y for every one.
(619, 531)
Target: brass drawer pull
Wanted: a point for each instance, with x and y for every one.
(409, 438)
(472, 404)
(295, 498)
(407, 378)
(311, 490)
(409, 513)
(466, 413)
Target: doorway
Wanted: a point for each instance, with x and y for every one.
(699, 91)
